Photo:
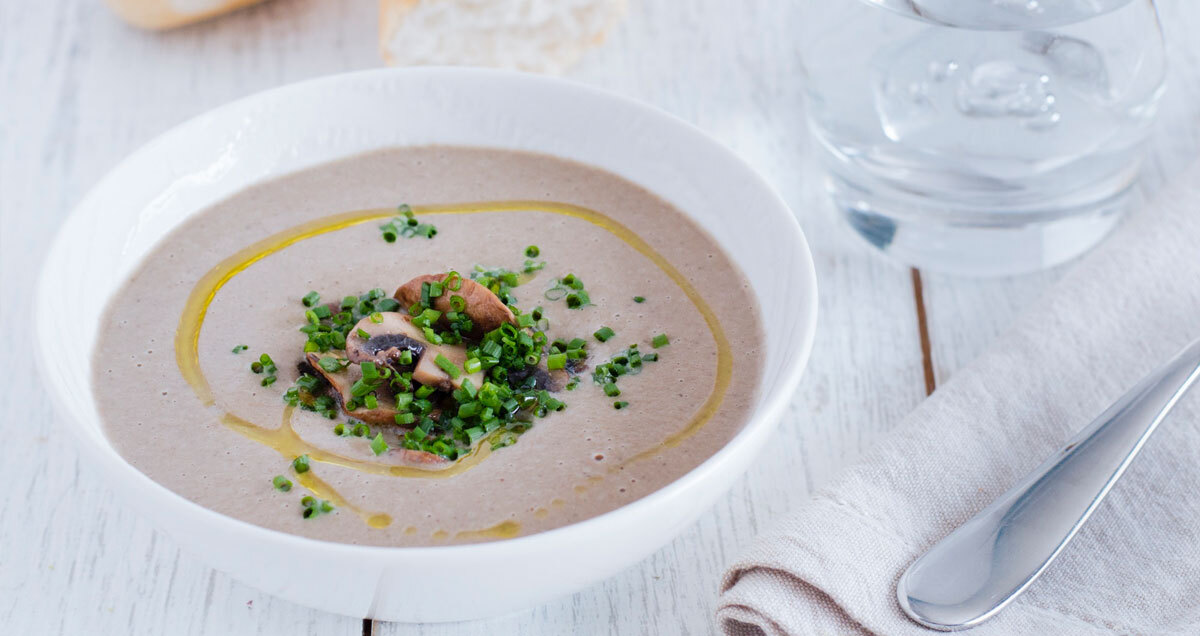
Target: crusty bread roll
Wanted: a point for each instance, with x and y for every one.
(545, 36)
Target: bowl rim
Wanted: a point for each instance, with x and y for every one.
(766, 415)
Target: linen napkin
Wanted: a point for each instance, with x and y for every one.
(1134, 568)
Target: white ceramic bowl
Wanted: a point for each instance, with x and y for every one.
(290, 128)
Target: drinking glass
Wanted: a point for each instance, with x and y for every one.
(982, 137)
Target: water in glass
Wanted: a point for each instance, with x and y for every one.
(982, 136)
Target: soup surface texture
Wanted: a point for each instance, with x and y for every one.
(236, 273)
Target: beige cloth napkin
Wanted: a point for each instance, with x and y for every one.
(1133, 569)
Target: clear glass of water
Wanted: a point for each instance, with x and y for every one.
(982, 137)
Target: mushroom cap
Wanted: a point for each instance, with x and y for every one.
(484, 308)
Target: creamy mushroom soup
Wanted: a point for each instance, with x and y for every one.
(424, 346)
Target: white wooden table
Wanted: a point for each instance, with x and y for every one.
(79, 90)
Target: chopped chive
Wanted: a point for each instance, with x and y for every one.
(269, 380)
(611, 389)
(472, 365)
(330, 364)
(639, 299)
(363, 334)
(532, 251)
(457, 303)
(300, 464)
(310, 299)
(660, 341)
(620, 404)
(650, 357)
(370, 401)
(240, 348)
(556, 361)
(314, 507)
(376, 317)
(256, 367)
(378, 445)
(282, 484)
(449, 367)
(604, 333)
(424, 392)
(361, 430)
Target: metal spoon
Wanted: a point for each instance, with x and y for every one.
(987, 562)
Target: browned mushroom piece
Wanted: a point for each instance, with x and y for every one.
(484, 308)
(393, 335)
(419, 459)
(343, 379)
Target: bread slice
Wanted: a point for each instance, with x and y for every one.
(545, 36)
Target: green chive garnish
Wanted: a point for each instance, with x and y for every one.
(330, 364)
(378, 445)
(556, 361)
(449, 367)
(660, 341)
(604, 333)
(639, 299)
(282, 484)
(314, 507)
(240, 348)
(611, 390)
(300, 464)
(310, 299)
(620, 404)
(532, 251)
(363, 334)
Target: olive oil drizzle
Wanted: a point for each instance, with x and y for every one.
(288, 442)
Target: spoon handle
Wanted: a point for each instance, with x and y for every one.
(986, 563)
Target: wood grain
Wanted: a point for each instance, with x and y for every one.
(81, 90)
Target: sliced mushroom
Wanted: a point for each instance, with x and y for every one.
(484, 308)
(386, 340)
(394, 334)
(342, 381)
